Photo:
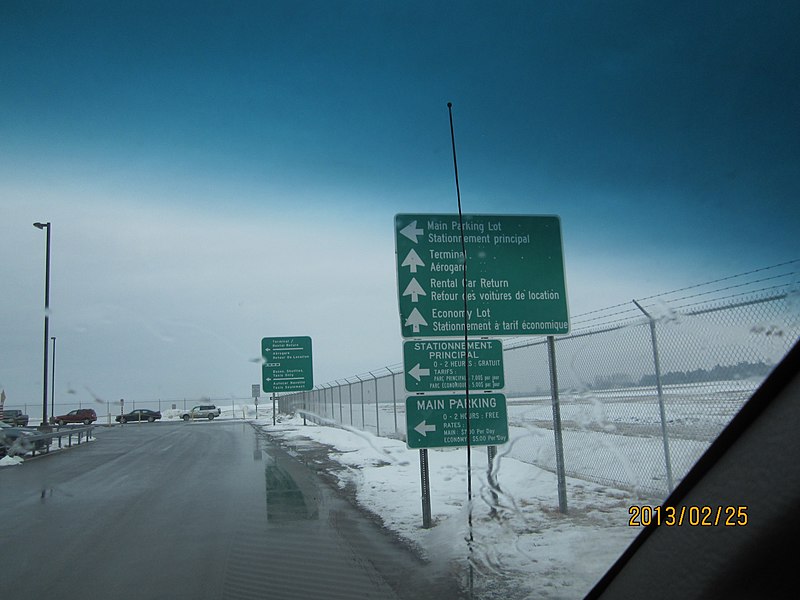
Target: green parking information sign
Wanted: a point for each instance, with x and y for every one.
(287, 365)
(440, 365)
(441, 421)
(515, 275)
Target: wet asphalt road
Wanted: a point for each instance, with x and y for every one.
(191, 510)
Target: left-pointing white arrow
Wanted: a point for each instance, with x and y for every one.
(414, 289)
(424, 429)
(411, 231)
(417, 373)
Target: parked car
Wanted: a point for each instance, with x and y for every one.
(20, 440)
(15, 417)
(203, 411)
(140, 414)
(86, 416)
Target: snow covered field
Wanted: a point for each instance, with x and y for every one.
(523, 547)
(610, 436)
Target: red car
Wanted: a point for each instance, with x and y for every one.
(86, 416)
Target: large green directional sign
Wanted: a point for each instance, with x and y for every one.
(515, 275)
(439, 365)
(441, 421)
(286, 364)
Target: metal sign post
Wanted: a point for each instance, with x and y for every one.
(426, 488)
(256, 393)
(560, 474)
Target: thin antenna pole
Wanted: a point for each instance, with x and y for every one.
(466, 338)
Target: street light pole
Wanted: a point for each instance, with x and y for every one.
(44, 424)
(53, 381)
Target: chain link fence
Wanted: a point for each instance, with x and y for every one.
(643, 388)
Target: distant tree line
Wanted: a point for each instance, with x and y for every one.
(741, 370)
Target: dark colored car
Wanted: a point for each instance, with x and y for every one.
(15, 417)
(19, 440)
(86, 416)
(140, 414)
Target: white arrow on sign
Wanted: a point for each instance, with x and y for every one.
(413, 261)
(414, 290)
(424, 429)
(411, 231)
(415, 319)
(416, 372)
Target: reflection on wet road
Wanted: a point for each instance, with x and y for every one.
(192, 510)
(286, 501)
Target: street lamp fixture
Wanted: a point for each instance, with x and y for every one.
(44, 424)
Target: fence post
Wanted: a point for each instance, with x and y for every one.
(661, 410)
(560, 474)
(339, 389)
(350, 396)
(361, 385)
(394, 400)
(377, 414)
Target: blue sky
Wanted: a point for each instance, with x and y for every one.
(236, 166)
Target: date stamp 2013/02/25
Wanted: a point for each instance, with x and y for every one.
(696, 516)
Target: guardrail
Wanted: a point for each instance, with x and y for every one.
(31, 444)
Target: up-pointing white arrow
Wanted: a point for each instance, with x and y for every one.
(411, 231)
(413, 261)
(414, 290)
(424, 429)
(415, 319)
(417, 372)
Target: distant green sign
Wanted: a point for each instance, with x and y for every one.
(439, 365)
(441, 421)
(287, 365)
(515, 275)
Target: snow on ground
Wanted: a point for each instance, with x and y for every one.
(523, 546)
